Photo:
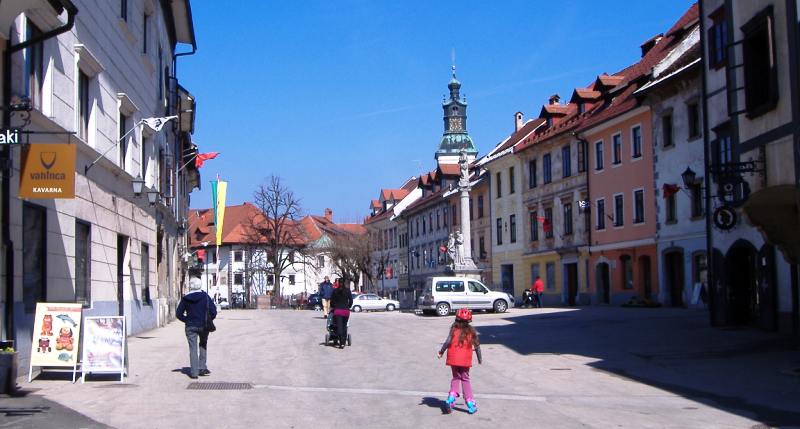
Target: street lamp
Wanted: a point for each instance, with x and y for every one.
(689, 177)
(137, 183)
(152, 197)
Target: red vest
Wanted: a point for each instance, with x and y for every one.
(459, 354)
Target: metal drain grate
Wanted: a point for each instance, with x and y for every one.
(219, 386)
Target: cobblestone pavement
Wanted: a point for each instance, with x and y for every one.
(565, 368)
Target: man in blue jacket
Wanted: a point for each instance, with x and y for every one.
(325, 293)
(193, 310)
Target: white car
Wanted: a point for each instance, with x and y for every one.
(370, 301)
(446, 294)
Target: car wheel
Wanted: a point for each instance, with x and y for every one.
(443, 309)
(500, 306)
(390, 307)
(357, 308)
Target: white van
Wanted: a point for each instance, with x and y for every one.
(446, 294)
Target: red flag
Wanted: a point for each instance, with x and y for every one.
(203, 157)
(546, 226)
(670, 190)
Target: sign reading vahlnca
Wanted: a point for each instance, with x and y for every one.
(48, 171)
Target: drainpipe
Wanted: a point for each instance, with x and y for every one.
(6, 161)
(711, 276)
(589, 196)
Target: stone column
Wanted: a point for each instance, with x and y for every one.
(465, 223)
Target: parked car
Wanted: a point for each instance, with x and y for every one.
(371, 301)
(443, 295)
(314, 302)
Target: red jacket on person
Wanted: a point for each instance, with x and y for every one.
(459, 354)
(538, 286)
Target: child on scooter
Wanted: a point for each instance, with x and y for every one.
(460, 342)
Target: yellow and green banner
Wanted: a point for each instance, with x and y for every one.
(218, 191)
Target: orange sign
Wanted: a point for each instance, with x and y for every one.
(48, 171)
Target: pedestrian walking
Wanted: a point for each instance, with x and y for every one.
(341, 301)
(325, 293)
(460, 343)
(197, 310)
(538, 289)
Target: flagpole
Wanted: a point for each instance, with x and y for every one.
(86, 168)
(185, 165)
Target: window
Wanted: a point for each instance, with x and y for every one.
(581, 156)
(638, 206)
(417, 228)
(697, 200)
(481, 248)
(568, 219)
(598, 155)
(671, 208)
(511, 182)
(601, 214)
(238, 279)
(123, 140)
(619, 214)
(693, 113)
(83, 106)
(270, 279)
(438, 215)
(666, 130)
(499, 185)
(636, 141)
(723, 150)
(499, 231)
(760, 69)
(145, 25)
(627, 271)
(470, 213)
(717, 39)
(83, 262)
(532, 173)
(550, 272)
(444, 217)
(548, 222)
(566, 161)
(455, 215)
(430, 222)
(238, 255)
(616, 147)
(34, 66)
(547, 169)
(534, 221)
(291, 279)
(512, 225)
(320, 261)
(450, 286)
(480, 206)
(34, 254)
(424, 229)
(145, 269)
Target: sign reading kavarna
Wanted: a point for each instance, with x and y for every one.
(48, 171)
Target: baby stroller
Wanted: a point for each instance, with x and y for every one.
(528, 298)
(330, 336)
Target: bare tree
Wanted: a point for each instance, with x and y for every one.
(351, 254)
(273, 233)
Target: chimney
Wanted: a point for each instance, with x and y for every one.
(329, 215)
(651, 43)
(554, 99)
(518, 121)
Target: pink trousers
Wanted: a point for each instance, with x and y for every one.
(461, 377)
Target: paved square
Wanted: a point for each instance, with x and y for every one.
(586, 367)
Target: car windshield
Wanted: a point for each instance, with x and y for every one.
(476, 287)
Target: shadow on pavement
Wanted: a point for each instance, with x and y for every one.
(26, 410)
(435, 403)
(742, 371)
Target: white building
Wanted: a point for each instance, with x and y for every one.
(90, 86)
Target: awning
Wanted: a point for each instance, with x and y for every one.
(775, 212)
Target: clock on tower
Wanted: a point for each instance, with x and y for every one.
(456, 124)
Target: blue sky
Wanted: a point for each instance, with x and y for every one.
(343, 98)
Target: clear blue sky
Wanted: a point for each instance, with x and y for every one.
(343, 98)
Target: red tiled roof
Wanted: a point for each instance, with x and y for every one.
(410, 184)
(375, 204)
(523, 132)
(585, 94)
(450, 169)
(422, 202)
(553, 109)
(609, 81)
(378, 217)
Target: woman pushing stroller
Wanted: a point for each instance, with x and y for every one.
(341, 301)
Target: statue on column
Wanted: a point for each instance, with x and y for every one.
(463, 163)
(455, 249)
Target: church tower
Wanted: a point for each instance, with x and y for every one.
(455, 138)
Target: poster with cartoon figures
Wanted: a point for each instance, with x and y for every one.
(56, 334)
(103, 345)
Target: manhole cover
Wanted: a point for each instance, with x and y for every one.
(219, 386)
(123, 385)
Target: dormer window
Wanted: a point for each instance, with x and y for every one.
(581, 107)
(549, 122)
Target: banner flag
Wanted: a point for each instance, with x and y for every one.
(222, 188)
(156, 124)
(200, 158)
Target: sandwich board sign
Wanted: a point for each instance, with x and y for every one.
(56, 336)
(103, 346)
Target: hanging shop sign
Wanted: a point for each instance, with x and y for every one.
(48, 171)
(725, 218)
(103, 346)
(56, 336)
(733, 190)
